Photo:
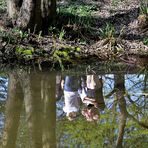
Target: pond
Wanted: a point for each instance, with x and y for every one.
(77, 109)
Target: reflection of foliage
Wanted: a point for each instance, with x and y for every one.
(104, 134)
(135, 136)
(82, 133)
(85, 134)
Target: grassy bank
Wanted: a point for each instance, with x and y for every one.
(111, 30)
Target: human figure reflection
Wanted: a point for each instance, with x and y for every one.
(88, 89)
(72, 96)
(94, 100)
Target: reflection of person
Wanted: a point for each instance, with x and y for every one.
(89, 89)
(91, 113)
(94, 99)
(72, 94)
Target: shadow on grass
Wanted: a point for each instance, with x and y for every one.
(87, 27)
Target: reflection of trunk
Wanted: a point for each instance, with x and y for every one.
(99, 93)
(32, 97)
(142, 124)
(120, 90)
(13, 110)
(48, 95)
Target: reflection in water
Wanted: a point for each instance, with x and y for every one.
(38, 93)
(88, 89)
(120, 91)
(13, 108)
(100, 110)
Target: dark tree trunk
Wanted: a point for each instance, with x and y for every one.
(35, 15)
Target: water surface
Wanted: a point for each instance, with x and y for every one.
(32, 116)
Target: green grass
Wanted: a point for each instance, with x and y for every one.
(143, 8)
(3, 5)
(65, 55)
(107, 31)
(75, 22)
(59, 33)
(145, 41)
(81, 14)
(115, 2)
(79, 10)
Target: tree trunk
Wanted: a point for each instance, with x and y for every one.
(13, 7)
(35, 15)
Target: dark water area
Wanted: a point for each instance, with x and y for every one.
(107, 108)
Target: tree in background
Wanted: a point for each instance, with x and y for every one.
(35, 15)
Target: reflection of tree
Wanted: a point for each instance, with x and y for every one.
(31, 84)
(124, 114)
(39, 97)
(104, 134)
(120, 90)
(99, 93)
(137, 105)
(49, 112)
(13, 110)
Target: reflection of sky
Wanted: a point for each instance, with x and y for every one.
(3, 88)
(108, 86)
(108, 83)
(134, 83)
(135, 88)
(1, 122)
